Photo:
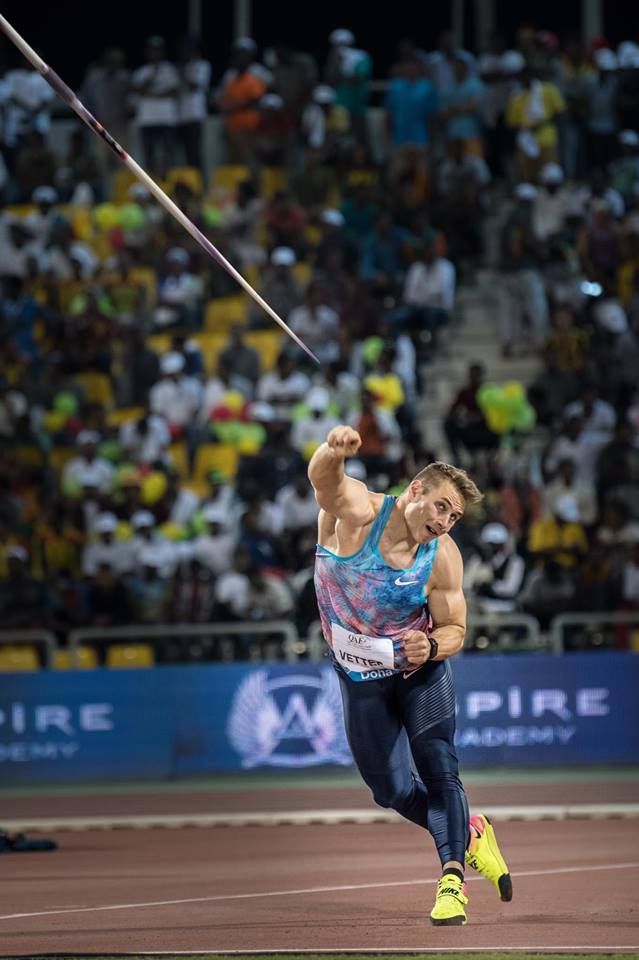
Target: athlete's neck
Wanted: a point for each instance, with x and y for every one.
(397, 532)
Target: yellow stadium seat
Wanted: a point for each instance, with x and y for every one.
(122, 180)
(146, 277)
(86, 659)
(130, 655)
(215, 456)
(229, 175)
(221, 314)
(117, 417)
(19, 658)
(211, 344)
(28, 455)
(58, 456)
(191, 176)
(97, 387)
(273, 179)
(268, 344)
(303, 273)
(179, 458)
(159, 342)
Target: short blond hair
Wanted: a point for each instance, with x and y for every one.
(438, 472)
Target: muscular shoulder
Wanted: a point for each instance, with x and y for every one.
(448, 567)
(333, 531)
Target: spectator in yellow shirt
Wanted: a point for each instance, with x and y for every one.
(532, 114)
(561, 537)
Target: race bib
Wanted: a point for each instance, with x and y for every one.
(356, 651)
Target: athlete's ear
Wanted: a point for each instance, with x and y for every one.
(415, 489)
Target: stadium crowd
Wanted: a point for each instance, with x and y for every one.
(155, 426)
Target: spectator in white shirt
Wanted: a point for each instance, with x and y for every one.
(316, 324)
(42, 221)
(214, 549)
(116, 554)
(69, 258)
(566, 482)
(156, 85)
(429, 293)
(144, 441)
(576, 445)
(27, 107)
(179, 293)
(247, 593)
(20, 255)
(552, 203)
(283, 387)
(195, 79)
(146, 535)
(598, 416)
(75, 469)
(299, 506)
(174, 396)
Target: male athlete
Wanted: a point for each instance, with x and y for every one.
(389, 587)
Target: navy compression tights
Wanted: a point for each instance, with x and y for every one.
(387, 720)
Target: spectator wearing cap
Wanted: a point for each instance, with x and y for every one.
(551, 205)
(25, 601)
(175, 396)
(194, 73)
(87, 458)
(349, 71)
(494, 575)
(532, 114)
(280, 287)
(601, 90)
(326, 126)
(106, 548)
(241, 88)
(316, 324)
(276, 133)
(215, 546)
(179, 294)
(523, 293)
(146, 536)
(411, 104)
(559, 537)
(156, 86)
(335, 249)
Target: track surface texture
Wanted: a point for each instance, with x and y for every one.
(318, 887)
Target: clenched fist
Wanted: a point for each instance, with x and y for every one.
(344, 441)
(416, 647)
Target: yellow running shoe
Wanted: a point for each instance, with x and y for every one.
(449, 902)
(484, 855)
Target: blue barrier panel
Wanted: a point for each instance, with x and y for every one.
(193, 720)
(86, 725)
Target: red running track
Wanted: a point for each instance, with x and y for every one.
(252, 888)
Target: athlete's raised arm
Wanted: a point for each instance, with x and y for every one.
(341, 496)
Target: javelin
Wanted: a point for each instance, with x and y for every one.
(69, 97)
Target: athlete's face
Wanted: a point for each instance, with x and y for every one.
(432, 514)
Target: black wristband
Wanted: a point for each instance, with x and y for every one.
(434, 647)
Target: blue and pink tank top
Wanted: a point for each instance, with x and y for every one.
(362, 595)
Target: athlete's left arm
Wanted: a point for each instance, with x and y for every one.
(446, 601)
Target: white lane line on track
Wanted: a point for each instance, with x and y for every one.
(304, 890)
(382, 950)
